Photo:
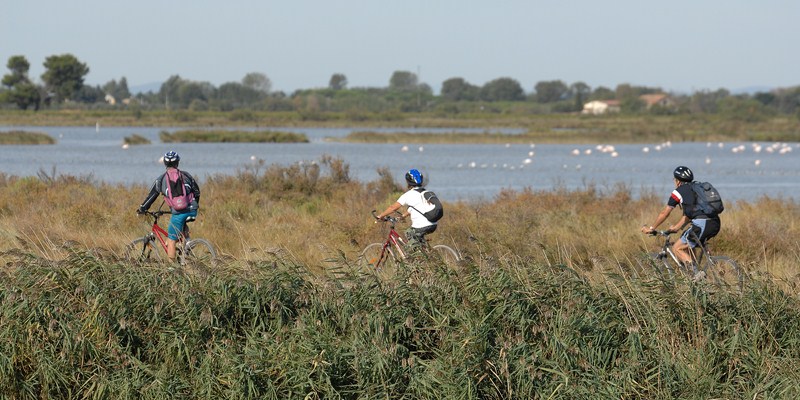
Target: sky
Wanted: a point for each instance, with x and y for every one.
(681, 45)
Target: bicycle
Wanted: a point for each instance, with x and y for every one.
(385, 256)
(722, 270)
(193, 252)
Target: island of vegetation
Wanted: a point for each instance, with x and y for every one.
(135, 139)
(229, 136)
(23, 137)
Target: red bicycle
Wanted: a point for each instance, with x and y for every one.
(188, 251)
(384, 257)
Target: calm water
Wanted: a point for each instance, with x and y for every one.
(456, 171)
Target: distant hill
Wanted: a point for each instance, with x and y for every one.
(147, 87)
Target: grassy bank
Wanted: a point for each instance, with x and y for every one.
(231, 136)
(572, 128)
(23, 137)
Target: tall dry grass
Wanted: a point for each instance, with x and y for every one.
(312, 212)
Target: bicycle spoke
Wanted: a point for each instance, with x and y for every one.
(725, 272)
(199, 253)
(447, 255)
(142, 249)
(374, 260)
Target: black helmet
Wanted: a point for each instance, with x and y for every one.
(683, 174)
(414, 178)
(171, 159)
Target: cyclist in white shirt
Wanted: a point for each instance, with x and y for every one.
(416, 206)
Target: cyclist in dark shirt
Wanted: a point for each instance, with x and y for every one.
(703, 227)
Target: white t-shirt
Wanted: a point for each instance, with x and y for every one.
(416, 206)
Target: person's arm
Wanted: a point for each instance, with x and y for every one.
(392, 208)
(680, 224)
(151, 197)
(194, 187)
(662, 216)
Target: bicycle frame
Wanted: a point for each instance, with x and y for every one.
(393, 239)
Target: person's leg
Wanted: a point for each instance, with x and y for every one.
(414, 238)
(687, 242)
(176, 224)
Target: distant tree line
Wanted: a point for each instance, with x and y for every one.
(62, 85)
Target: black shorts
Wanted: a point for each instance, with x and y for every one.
(702, 230)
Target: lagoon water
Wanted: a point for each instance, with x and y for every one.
(740, 171)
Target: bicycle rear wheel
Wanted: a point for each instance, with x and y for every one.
(725, 272)
(449, 256)
(143, 249)
(199, 252)
(375, 260)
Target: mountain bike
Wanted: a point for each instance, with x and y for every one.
(721, 270)
(153, 245)
(385, 256)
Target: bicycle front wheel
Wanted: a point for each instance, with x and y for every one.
(449, 256)
(725, 272)
(143, 249)
(199, 252)
(375, 260)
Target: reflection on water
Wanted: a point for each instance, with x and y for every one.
(456, 171)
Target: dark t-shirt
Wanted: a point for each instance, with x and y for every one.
(684, 196)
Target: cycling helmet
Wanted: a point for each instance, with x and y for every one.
(683, 174)
(171, 159)
(414, 178)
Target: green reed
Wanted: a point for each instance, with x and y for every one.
(92, 326)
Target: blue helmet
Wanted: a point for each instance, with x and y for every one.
(171, 159)
(414, 178)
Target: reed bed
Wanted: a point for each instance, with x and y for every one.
(546, 303)
(24, 137)
(92, 327)
(228, 136)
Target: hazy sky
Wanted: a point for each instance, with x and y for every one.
(679, 45)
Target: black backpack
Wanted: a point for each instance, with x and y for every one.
(708, 201)
(438, 211)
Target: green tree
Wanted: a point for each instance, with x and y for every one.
(457, 89)
(119, 90)
(580, 92)
(25, 95)
(64, 75)
(234, 95)
(257, 81)
(22, 92)
(337, 82)
(502, 89)
(551, 91)
(403, 81)
(603, 93)
(19, 66)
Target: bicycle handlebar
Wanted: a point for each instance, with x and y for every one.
(154, 214)
(388, 218)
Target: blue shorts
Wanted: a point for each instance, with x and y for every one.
(177, 222)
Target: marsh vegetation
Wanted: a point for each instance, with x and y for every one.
(551, 301)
